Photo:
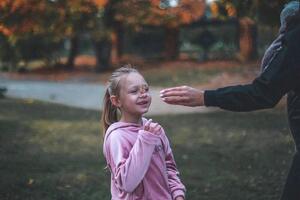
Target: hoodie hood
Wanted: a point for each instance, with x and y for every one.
(118, 125)
(121, 125)
(290, 10)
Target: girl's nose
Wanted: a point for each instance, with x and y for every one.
(143, 91)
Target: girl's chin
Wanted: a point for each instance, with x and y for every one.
(143, 111)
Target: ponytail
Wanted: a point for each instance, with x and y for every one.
(109, 113)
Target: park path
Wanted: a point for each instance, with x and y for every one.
(81, 95)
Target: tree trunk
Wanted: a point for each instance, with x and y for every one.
(247, 39)
(117, 38)
(114, 48)
(74, 47)
(171, 43)
(103, 54)
(117, 44)
(120, 38)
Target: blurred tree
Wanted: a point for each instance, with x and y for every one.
(19, 20)
(250, 13)
(103, 34)
(53, 20)
(94, 17)
(78, 16)
(137, 13)
(206, 39)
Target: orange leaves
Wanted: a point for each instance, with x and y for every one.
(20, 5)
(19, 17)
(100, 3)
(5, 31)
(4, 3)
(222, 10)
(149, 12)
(23, 6)
(79, 6)
(23, 27)
(231, 11)
(192, 10)
(186, 12)
(214, 8)
(66, 17)
(186, 17)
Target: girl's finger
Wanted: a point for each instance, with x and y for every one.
(147, 124)
(154, 125)
(157, 129)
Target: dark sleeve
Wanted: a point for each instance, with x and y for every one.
(281, 76)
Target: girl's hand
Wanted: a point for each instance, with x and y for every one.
(179, 198)
(151, 127)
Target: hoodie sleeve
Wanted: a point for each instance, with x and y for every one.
(129, 165)
(175, 185)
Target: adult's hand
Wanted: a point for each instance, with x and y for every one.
(183, 95)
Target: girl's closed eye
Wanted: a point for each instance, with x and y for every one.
(133, 91)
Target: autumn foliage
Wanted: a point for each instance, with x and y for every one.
(19, 17)
(135, 12)
(55, 20)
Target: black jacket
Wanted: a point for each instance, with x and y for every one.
(282, 76)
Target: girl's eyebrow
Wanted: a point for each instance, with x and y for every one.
(137, 86)
(133, 87)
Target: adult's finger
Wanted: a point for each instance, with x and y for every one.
(179, 88)
(173, 93)
(176, 100)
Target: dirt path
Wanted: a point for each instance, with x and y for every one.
(85, 89)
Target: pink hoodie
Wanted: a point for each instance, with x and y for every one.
(142, 164)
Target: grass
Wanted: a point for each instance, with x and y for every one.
(191, 73)
(52, 152)
(157, 74)
(182, 75)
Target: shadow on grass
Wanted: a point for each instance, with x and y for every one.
(234, 156)
(54, 152)
(50, 152)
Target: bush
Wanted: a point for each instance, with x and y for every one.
(34, 47)
(39, 47)
(7, 54)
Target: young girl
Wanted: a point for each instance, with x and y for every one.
(137, 150)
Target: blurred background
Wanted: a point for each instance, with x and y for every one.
(56, 56)
(48, 33)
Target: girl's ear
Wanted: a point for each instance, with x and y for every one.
(115, 101)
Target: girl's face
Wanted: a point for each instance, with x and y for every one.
(134, 98)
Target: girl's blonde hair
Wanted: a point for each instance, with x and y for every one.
(110, 112)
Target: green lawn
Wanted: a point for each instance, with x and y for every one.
(168, 77)
(52, 152)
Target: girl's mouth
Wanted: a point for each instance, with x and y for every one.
(142, 103)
